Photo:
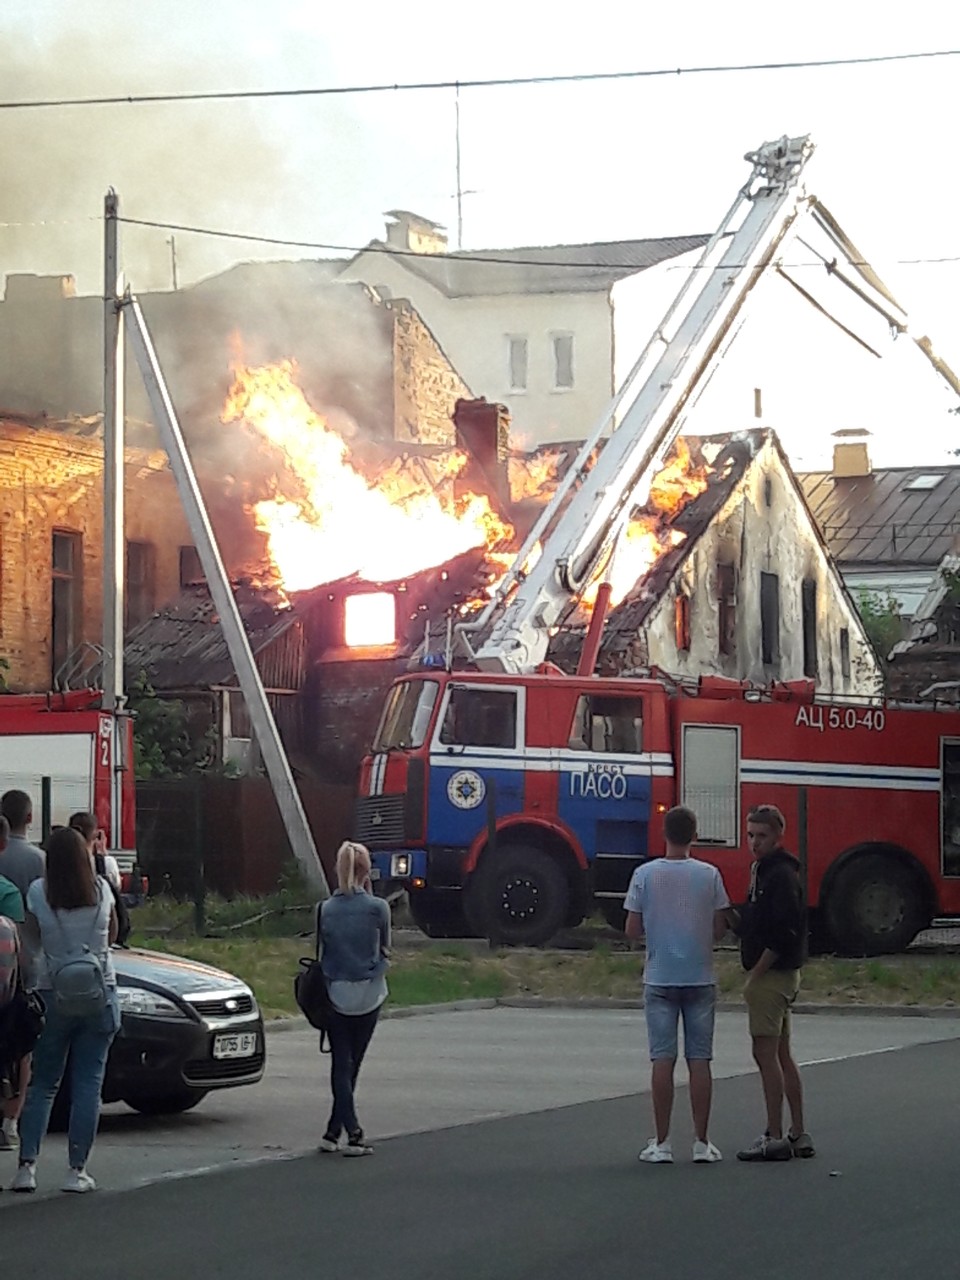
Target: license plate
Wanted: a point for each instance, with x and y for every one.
(243, 1045)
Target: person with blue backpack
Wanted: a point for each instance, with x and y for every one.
(71, 917)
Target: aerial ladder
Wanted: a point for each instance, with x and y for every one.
(579, 528)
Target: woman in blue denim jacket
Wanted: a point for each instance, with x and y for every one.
(69, 908)
(354, 945)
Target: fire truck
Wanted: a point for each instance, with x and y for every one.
(86, 753)
(508, 798)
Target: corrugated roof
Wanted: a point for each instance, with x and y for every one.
(878, 520)
(559, 268)
(183, 647)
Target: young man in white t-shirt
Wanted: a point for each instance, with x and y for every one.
(680, 904)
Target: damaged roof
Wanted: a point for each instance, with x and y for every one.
(559, 268)
(895, 516)
(729, 457)
(183, 647)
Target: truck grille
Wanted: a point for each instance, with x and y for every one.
(378, 820)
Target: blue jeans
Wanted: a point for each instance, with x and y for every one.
(664, 1006)
(350, 1034)
(86, 1041)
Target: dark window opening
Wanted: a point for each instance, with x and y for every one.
(480, 718)
(609, 725)
(767, 491)
(770, 618)
(809, 605)
(191, 570)
(845, 653)
(141, 585)
(67, 571)
(681, 619)
(727, 607)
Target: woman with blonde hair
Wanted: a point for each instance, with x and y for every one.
(354, 945)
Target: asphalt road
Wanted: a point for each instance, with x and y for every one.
(557, 1194)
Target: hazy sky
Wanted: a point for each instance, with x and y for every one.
(543, 164)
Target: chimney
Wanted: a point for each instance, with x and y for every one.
(482, 432)
(851, 459)
(413, 233)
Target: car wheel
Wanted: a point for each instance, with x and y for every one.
(521, 897)
(166, 1104)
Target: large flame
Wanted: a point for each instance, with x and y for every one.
(336, 522)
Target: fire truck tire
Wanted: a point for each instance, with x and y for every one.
(520, 896)
(875, 907)
(440, 915)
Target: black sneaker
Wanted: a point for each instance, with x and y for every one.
(802, 1145)
(357, 1145)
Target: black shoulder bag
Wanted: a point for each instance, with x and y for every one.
(312, 994)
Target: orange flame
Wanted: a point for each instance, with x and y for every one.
(534, 475)
(649, 535)
(338, 522)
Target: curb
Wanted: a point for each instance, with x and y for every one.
(298, 1023)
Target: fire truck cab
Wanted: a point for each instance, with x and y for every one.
(508, 806)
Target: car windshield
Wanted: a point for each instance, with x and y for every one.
(406, 717)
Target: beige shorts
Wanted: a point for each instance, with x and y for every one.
(769, 998)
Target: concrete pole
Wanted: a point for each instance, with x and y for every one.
(113, 519)
(238, 645)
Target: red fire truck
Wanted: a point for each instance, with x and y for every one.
(508, 796)
(69, 738)
(516, 803)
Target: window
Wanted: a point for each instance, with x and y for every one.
(406, 716)
(711, 782)
(845, 652)
(769, 618)
(517, 349)
(67, 575)
(767, 491)
(809, 605)
(141, 582)
(480, 718)
(681, 621)
(924, 482)
(562, 361)
(609, 725)
(191, 570)
(727, 606)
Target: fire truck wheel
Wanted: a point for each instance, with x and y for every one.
(521, 896)
(440, 915)
(875, 907)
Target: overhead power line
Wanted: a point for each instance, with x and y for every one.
(499, 82)
(490, 256)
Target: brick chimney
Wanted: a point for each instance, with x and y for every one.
(413, 233)
(851, 458)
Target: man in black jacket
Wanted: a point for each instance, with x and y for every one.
(773, 947)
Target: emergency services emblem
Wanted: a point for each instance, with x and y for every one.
(466, 789)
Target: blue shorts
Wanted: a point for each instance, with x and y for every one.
(664, 1006)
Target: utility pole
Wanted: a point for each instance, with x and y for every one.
(113, 521)
(456, 105)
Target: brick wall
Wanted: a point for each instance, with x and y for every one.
(426, 385)
(53, 481)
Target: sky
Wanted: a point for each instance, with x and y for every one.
(540, 164)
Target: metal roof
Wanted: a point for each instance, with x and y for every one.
(183, 647)
(878, 519)
(559, 268)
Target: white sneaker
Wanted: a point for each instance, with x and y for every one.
(25, 1179)
(705, 1153)
(656, 1153)
(9, 1135)
(79, 1181)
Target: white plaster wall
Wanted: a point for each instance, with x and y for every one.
(776, 539)
(473, 333)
